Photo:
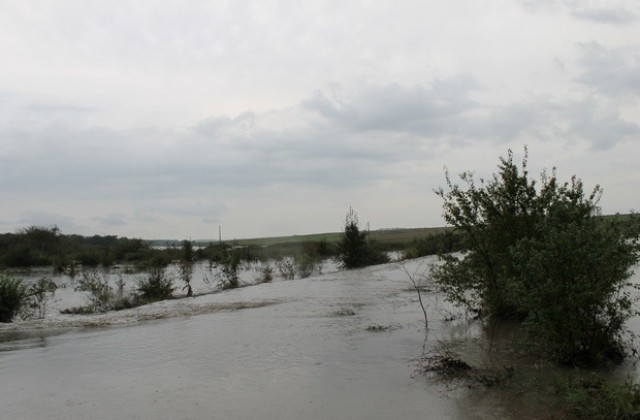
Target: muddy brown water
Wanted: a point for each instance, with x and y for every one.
(342, 345)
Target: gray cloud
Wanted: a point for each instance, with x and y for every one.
(416, 110)
(48, 219)
(592, 120)
(614, 14)
(602, 127)
(49, 110)
(614, 72)
(617, 16)
(359, 140)
(113, 219)
(505, 123)
(443, 112)
(133, 118)
(70, 159)
(213, 126)
(205, 210)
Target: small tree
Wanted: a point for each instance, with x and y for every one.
(354, 249)
(186, 266)
(541, 255)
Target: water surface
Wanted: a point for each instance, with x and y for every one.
(299, 349)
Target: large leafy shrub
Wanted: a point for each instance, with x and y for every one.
(541, 254)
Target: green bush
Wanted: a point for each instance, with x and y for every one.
(100, 292)
(12, 296)
(156, 286)
(540, 254)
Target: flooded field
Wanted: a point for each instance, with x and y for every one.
(342, 345)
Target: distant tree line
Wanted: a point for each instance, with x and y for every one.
(47, 246)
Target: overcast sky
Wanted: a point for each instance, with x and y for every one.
(167, 119)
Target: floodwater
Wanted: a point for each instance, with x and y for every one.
(299, 349)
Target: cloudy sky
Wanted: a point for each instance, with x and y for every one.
(167, 119)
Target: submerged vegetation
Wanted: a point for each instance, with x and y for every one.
(101, 294)
(590, 397)
(288, 257)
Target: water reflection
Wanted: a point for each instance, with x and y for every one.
(22, 340)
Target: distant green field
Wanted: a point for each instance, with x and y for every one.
(383, 236)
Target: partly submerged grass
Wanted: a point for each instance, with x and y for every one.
(140, 314)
